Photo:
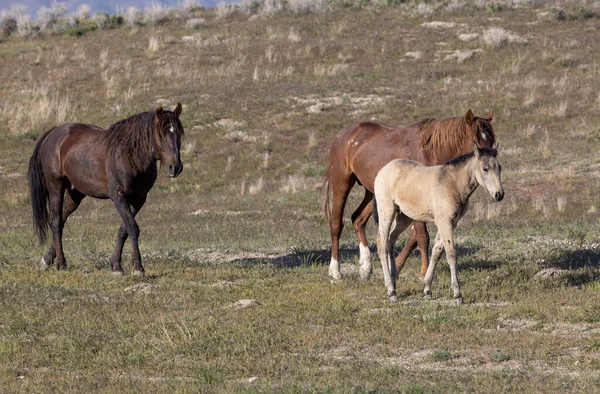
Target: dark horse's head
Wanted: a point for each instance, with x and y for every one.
(168, 132)
(482, 132)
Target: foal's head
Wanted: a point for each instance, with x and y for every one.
(487, 172)
(482, 132)
(168, 132)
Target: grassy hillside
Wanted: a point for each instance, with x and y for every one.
(263, 98)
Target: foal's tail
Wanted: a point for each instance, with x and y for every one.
(326, 195)
(38, 191)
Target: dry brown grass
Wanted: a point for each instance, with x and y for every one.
(264, 97)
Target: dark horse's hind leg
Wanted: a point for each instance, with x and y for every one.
(72, 199)
(418, 237)
(56, 196)
(128, 227)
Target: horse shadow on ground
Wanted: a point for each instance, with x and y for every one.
(350, 255)
(580, 266)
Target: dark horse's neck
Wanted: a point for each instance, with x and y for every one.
(131, 140)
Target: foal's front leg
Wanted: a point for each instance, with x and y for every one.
(131, 229)
(446, 238)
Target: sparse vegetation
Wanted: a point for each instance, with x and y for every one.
(265, 92)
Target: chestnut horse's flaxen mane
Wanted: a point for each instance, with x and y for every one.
(449, 134)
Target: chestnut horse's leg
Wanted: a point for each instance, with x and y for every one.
(115, 258)
(56, 195)
(340, 191)
(359, 221)
(72, 200)
(418, 237)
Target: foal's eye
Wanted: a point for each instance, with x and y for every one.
(485, 169)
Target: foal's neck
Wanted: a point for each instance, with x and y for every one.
(466, 181)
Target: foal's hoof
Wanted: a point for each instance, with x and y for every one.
(43, 265)
(459, 301)
(393, 298)
(427, 297)
(141, 274)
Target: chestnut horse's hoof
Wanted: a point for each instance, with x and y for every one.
(364, 274)
(335, 274)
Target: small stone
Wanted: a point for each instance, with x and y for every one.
(244, 304)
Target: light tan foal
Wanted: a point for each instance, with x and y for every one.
(406, 190)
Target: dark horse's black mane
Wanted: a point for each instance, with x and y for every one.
(464, 158)
(132, 138)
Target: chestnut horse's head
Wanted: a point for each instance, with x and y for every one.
(168, 132)
(481, 130)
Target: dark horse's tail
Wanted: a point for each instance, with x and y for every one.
(326, 195)
(38, 190)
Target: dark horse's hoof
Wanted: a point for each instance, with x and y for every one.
(141, 274)
(118, 273)
(44, 265)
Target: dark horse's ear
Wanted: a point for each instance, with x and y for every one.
(178, 110)
(490, 116)
(159, 110)
(469, 117)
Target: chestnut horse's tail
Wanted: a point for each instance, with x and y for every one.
(375, 215)
(38, 191)
(326, 194)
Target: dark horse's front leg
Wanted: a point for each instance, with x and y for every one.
(129, 227)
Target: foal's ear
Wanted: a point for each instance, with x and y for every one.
(178, 110)
(159, 110)
(469, 117)
(476, 150)
(491, 115)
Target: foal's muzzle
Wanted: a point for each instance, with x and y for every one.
(499, 195)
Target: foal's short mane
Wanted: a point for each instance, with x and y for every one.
(450, 134)
(485, 152)
(132, 138)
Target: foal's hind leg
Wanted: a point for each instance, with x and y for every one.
(115, 258)
(359, 221)
(72, 199)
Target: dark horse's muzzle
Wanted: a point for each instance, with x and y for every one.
(173, 170)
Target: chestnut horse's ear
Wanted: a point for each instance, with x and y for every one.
(159, 110)
(491, 115)
(469, 117)
(178, 110)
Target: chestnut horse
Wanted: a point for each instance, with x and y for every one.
(75, 160)
(406, 190)
(362, 149)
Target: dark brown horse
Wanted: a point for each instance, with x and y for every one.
(362, 149)
(76, 160)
